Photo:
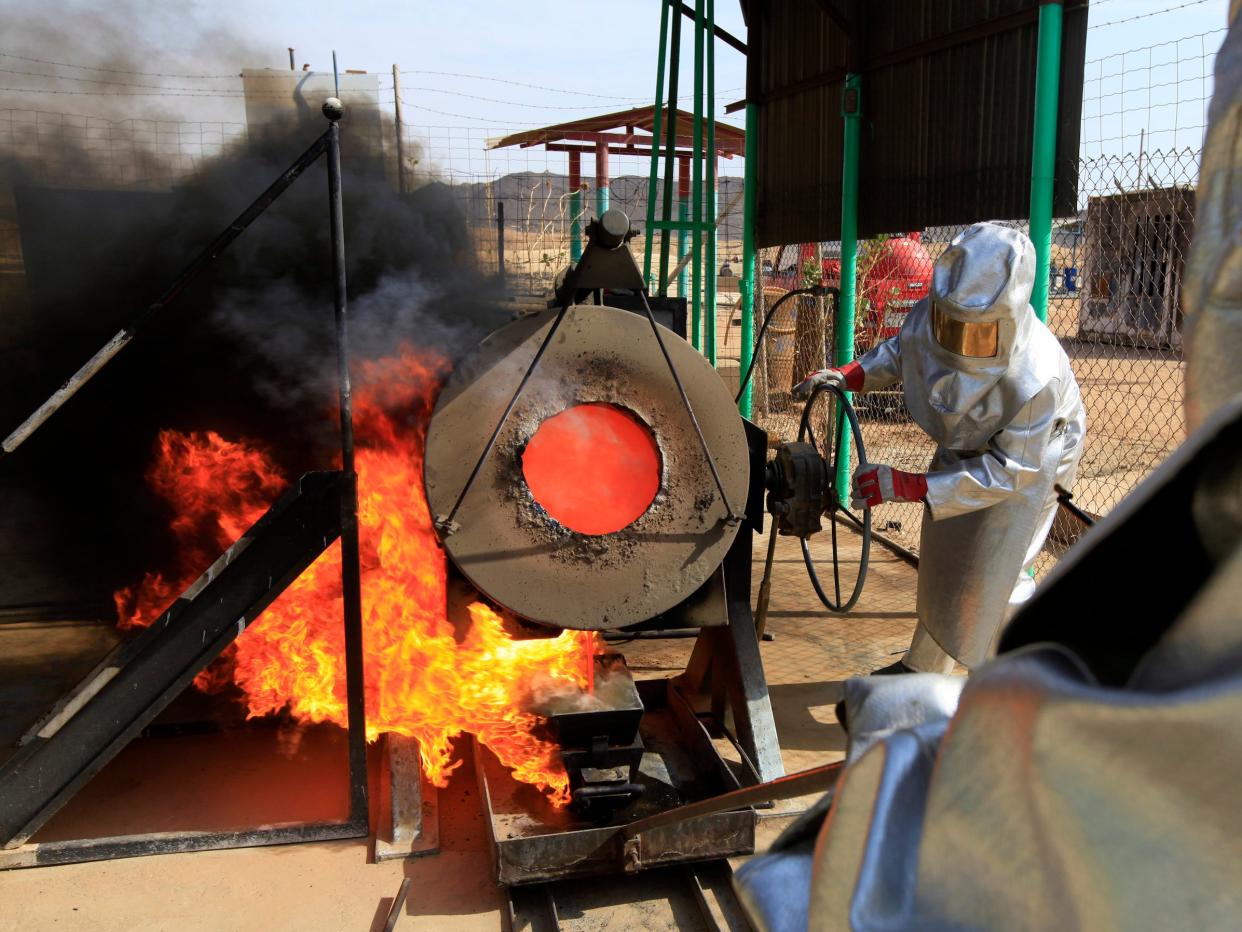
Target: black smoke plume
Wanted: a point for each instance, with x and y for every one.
(248, 350)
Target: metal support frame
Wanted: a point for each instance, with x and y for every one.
(683, 214)
(656, 120)
(749, 270)
(601, 178)
(696, 214)
(1044, 147)
(142, 675)
(725, 668)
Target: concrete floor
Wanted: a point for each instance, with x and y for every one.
(331, 886)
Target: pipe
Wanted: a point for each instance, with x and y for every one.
(351, 572)
(683, 214)
(748, 254)
(851, 111)
(575, 206)
(696, 188)
(500, 242)
(656, 120)
(1044, 147)
(670, 143)
(710, 194)
(601, 178)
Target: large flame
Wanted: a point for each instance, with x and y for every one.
(421, 680)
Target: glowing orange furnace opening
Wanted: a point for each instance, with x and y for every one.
(595, 468)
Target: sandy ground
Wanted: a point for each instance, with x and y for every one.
(331, 885)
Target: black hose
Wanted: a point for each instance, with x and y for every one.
(804, 431)
(818, 290)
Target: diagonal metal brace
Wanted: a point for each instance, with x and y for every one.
(731, 516)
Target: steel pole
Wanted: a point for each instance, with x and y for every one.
(1044, 147)
(696, 188)
(351, 574)
(710, 205)
(670, 144)
(683, 214)
(575, 206)
(748, 253)
(400, 128)
(500, 242)
(601, 177)
(656, 119)
(843, 327)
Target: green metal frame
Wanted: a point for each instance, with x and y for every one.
(843, 327)
(747, 284)
(1044, 147)
(696, 221)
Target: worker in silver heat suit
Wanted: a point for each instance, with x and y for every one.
(987, 380)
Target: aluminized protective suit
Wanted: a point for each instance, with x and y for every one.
(1008, 426)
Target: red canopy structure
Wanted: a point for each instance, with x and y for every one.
(625, 132)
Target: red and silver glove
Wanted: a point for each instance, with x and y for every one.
(876, 484)
(847, 378)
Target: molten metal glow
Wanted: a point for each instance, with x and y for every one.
(595, 468)
(423, 678)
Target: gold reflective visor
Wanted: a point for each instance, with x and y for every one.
(980, 341)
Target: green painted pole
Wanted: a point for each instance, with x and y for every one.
(1044, 147)
(656, 119)
(696, 187)
(851, 112)
(670, 137)
(709, 199)
(683, 215)
(747, 284)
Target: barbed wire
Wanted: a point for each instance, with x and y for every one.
(1130, 19)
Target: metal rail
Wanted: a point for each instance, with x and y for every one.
(706, 885)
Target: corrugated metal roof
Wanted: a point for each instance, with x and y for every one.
(947, 102)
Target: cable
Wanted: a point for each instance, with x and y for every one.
(493, 100)
(150, 74)
(537, 87)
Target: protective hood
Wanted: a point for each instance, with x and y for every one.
(973, 352)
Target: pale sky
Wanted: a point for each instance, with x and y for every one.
(584, 58)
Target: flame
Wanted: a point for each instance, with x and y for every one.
(421, 679)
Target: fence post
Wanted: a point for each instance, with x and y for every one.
(575, 206)
(696, 187)
(1044, 147)
(648, 242)
(851, 111)
(400, 124)
(748, 250)
(500, 241)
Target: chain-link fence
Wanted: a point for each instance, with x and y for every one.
(1115, 278)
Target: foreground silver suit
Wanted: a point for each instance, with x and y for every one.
(1006, 414)
(1091, 775)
